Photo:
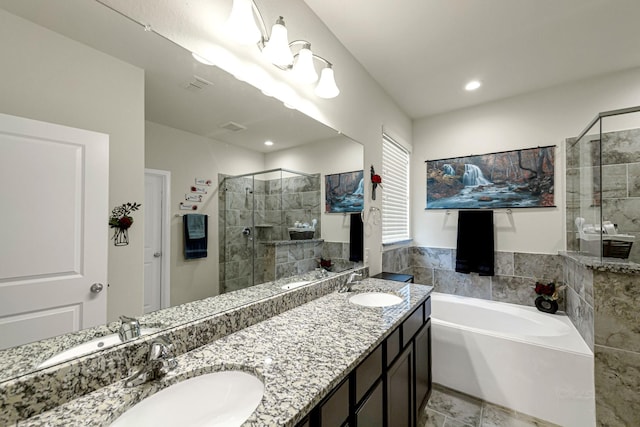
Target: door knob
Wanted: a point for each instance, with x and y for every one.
(96, 288)
(157, 254)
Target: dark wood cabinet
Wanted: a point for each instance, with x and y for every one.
(388, 387)
(371, 411)
(422, 366)
(335, 409)
(400, 390)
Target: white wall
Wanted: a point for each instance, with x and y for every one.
(544, 117)
(48, 77)
(330, 156)
(188, 156)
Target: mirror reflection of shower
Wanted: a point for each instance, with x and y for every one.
(256, 212)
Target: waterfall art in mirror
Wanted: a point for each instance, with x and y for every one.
(344, 192)
(508, 179)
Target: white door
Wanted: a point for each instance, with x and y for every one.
(155, 237)
(54, 183)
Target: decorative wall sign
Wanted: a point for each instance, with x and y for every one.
(199, 189)
(508, 179)
(344, 192)
(203, 181)
(193, 197)
(188, 207)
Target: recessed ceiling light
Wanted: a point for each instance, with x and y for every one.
(269, 143)
(473, 85)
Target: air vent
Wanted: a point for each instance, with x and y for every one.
(198, 83)
(233, 126)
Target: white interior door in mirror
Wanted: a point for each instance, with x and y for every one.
(54, 234)
(153, 250)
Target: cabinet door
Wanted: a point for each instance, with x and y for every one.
(400, 390)
(423, 365)
(371, 413)
(335, 410)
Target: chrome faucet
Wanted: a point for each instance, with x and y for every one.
(350, 282)
(159, 362)
(129, 329)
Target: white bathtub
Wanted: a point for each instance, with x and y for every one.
(514, 356)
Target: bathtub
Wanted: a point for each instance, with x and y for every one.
(513, 356)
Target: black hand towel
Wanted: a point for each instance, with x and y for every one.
(475, 252)
(355, 238)
(195, 238)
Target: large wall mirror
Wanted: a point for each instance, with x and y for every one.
(199, 123)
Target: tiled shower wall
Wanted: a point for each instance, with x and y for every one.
(516, 273)
(272, 206)
(620, 187)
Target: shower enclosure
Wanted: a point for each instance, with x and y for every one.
(603, 187)
(255, 213)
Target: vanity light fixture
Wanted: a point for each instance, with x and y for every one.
(472, 85)
(246, 26)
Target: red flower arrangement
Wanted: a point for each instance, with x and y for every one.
(548, 295)
(375, 181)
(545, 290)
(121, 220)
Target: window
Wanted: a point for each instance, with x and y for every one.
(395, 191)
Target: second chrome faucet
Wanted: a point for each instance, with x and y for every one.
(159, 362)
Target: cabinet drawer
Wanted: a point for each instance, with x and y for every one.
(412, 325)
(393, 346)
(368, 372)
(335, 410)
(427, 309)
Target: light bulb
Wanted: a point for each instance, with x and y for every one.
(241, 25)
(473, 85)
(327, 87)
(303, 69)
(277, 48)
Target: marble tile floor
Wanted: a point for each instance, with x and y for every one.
(450, 408)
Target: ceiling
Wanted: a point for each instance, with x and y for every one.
(169, 70)
(422, 52)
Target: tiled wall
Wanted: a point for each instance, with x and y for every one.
(620, 187)
(516, 273)
(579, 297)
(272, 205)
(290, 258)
(616, 298)
(338, 253)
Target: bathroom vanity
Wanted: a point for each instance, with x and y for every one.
(371, 362)
(389, 386)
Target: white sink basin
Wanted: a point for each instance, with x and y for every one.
(88, 347)
(294, 285)
(221, 399)
(375, 299)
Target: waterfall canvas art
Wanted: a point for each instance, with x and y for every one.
(508, 179)
(344, 192)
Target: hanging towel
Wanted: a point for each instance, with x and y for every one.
(355, 238)
(475, 252)
(195, 235)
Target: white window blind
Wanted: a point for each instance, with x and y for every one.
(395, 191)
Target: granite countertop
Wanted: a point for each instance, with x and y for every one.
(300, 355)
(24, 359)
(611, 265)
